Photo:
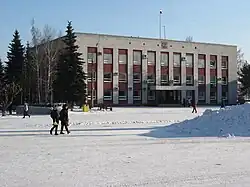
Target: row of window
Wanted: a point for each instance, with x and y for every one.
(107, 77)
(108, 95)
(164, 59)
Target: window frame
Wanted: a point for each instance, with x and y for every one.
(179, 60)
(164, 63)
(213, 98)
(149, 62)
(138, 97)
(151, 80)
(201, 63)
(94, 76)
(203, 97)
(201, 81)
(192, 80)
(108, 98)
(120, 80)
(121, 61)
(164, 81)
(109, 61)
(137, 80)
(179, 81)
(187, 63)
(111, 76)
(215, 81)
(151, 97)
(93, 58)
(135, 62)
(89, 94)
(122, 98)
(224, 82)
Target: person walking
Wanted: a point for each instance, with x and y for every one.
(194, 106)
(64, 118)
(54, 114)
(26, 110)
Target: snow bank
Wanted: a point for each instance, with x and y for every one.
(229, 122)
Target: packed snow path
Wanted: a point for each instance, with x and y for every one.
(111, 149)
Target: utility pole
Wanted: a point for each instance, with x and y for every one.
(160, 24)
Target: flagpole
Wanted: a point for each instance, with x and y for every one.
(160, 24)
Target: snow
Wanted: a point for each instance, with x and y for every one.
(128, 147)
(228, 122)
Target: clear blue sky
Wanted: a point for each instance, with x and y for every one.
(222, 21)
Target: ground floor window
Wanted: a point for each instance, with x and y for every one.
(122, 95)
(107, 95)
(137, 94)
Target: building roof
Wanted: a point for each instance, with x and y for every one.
(147, 38)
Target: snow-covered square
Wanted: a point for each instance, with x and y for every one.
(129, 147)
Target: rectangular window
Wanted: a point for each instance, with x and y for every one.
(189, 60)
(224, 62)
(122, 95)
(201, 95)
(137, 57)
(122, 77)
(164, 59)
(91, 75)
(212, 96)
(224, 80)
(107, 77)
(107, 58)
(189, 80)
(137, 94)
(151, 95)
(201, 61)
(151, 78)
(189, 94)
(213, 79)
(136, 77)
(201, 79)
(177, 60)
(91, 58)
(122, 58)
(164, 79)
(224, 95)
(213, 61)
(177, 79)
(107, 95)
(90, 93)
(151, 57)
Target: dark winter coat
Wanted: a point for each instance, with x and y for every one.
(54, 114)
(64, 117)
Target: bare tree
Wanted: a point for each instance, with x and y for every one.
(189, 39)
(8, 93)
(240, 59)
(46, 47)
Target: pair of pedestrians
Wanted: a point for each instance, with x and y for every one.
(62, 116)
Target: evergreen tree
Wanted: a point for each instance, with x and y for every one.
(28, 76)
(15, 60)
(2, 75)
(70, 82)
(244, 79)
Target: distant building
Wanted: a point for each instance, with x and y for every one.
(144, 71)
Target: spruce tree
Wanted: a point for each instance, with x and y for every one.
(70, 82)
(2, 75)
(244, 79)
(15, 56)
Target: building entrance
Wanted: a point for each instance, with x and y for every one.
(168, 97)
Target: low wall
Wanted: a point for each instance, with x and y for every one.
(34, 110)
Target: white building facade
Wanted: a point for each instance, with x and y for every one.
(145, 71)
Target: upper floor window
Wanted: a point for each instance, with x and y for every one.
(137, 57)
(107, 58)
(213, 61)
(91, 57)
(189, 60)
(177, 59)
(224, 62)
(201, 61)
(164, 59)
(151, 57)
